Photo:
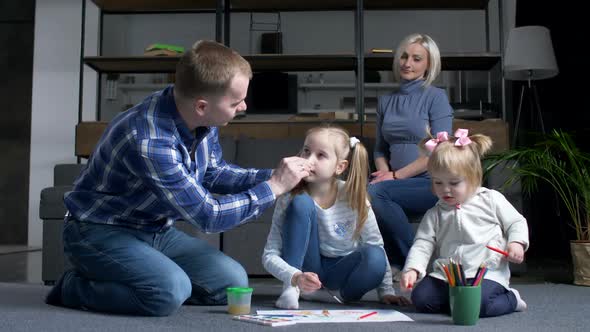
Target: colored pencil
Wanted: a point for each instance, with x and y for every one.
(448, 273)
(498, 250)
(454, 280)
(332, 295)
(480, 277)
(458, 280)
(476, 274)
(367, 315)
(462, 271)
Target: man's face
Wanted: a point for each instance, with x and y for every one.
(222, 109)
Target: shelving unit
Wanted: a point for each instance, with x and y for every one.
(356, 61)
(284, 125)
(449, 61)
(147, 6)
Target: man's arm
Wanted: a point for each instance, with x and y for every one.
(287, 175)
(159, 165)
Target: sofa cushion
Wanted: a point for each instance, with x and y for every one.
(266, 153)
(66, 174)
(245, 244)
(228, 147)
(52, 202)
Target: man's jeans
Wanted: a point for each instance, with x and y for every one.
(128, 271)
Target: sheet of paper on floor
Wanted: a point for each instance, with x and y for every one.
(339, 316)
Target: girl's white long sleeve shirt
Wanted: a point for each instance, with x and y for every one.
(487, 218)
(336, 226)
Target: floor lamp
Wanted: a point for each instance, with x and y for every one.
(529, 57)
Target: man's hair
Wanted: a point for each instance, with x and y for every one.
(208, 69)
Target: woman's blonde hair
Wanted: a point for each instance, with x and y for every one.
(358, 171)
(428, 43)
(207, 69)
(463, 160)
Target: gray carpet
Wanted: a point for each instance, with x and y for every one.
(552, 307)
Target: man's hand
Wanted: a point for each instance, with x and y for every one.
(396, 300)
(307, 281)
(288, 174)
(515, 252)
(381, 176)
(408, 280)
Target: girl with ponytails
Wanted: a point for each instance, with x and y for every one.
(324, 237)
(466, 220)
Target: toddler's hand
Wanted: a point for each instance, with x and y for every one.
(408, 280)
(515, 252)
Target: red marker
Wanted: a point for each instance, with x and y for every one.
(498, 250)
(368, 315)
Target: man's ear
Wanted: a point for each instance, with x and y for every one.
(200, 105)
(341, 166)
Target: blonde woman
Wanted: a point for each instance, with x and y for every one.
(400, 186)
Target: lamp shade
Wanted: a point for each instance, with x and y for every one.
(529, 54)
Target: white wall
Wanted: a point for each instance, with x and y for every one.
(55, 96)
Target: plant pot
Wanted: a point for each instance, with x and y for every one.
(581, 259)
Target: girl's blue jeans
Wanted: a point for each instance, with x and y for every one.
(354, 274)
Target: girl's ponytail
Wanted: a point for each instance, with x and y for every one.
(482, 145)
(356, 182)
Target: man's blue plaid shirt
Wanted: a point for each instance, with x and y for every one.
(143, 174)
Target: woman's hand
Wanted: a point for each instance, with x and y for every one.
(408, 280)
(381, 176)
(515, 252)
(307, 281)
(396, 300)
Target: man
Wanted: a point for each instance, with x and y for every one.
(150, 169)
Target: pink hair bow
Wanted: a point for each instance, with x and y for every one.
(440, 137)
(462, 138)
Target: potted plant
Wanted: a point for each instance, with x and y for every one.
(558, 162)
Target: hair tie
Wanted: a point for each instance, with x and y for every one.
(440, 137)
(353, 142)
(462, 138)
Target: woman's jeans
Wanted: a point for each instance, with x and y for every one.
(392, 201)
(354, 274)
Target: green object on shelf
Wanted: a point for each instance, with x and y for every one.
(157, 46)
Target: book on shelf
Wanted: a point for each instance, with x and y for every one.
(381, 50)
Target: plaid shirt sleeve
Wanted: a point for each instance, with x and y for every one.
(159, 164)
